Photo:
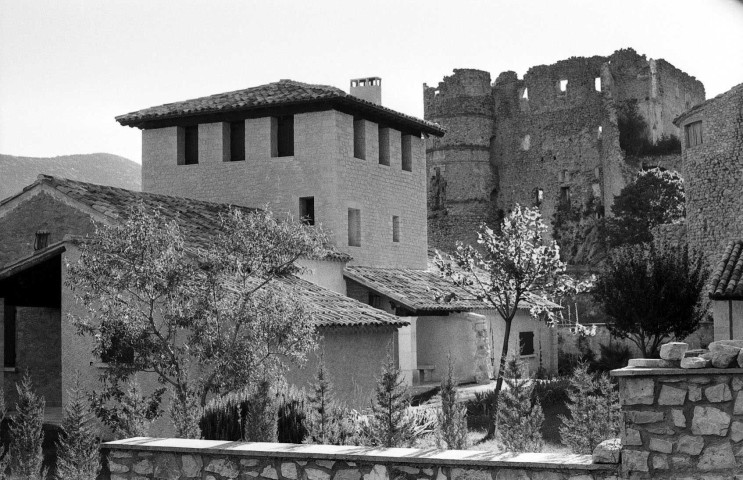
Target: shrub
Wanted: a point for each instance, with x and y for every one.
(614, 355)
(594, 411)
(77, 447)
(261, 418)
(292, 417)
(324, 414)
(484, 404)
(567, 362)
(451, 431)
(124, 410)
(4, 456)
(552, 391)
(520, 416)
(26, 434)
(390, 424)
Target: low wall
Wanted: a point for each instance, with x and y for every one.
(173, 459)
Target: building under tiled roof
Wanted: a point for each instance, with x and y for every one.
(284, 93)
(727, 278)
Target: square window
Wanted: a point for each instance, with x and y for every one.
(282, 136)
(563, 86)
(597, 84)
(359, 139)
(384, 146)
(354, 227)
(693, 134)
(191, 145)
(526, 343)
(407, 153)
(307, 210)
(395, 229)
(237, 141)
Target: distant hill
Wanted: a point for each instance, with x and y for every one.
(100, 168)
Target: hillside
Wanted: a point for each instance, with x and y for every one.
(101, 168)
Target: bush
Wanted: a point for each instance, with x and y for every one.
(124, 410)
(520, 416)
(552, 391)
(27, 436)
(613, 356)
(325, 416)
(4, 456)
(451, 431)
(567, 362)
(484, 404)
(594, 412)
(77, 447)
(390, 424)
(292, 416)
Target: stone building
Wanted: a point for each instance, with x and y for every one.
(551, 139)
(726, 293)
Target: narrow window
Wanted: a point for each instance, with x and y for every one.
(597, 84)
(693, 134)
(599, 132)
(359, 139)
(395, 229)
(407, 153)
(538, 197)
(384, 146)
(526, 142)
(563, 85)
(9, 330)
(282, 136)
(192, 145)
(525, 95)
(565, 195)
(354, 227)
(526, 343)
(307, 210)
(237, 141)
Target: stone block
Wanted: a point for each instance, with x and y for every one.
(631, 437)
(660, 445)
(607, 451)
(710, 421)
(725, 357)
(269, 472)
(680, 462)
(695, 393)
(660, 429)
(679, 419)
(736, 431)
(673, 350)
(695, 362)
(166, 467)
(652, 363)
(143, 467)
(325, 464)
(659, 461)
(690, 445)
(737, 383)
(725, 344)
(635, 460)
(116, 467)
(347, 474)
(738, 407)
(316, 474)
(508, 474)
(671, 396)
(718, 393)
(717, 457)
(637, 391)
(476, 474)
(644, 416)
(289, 470)
(224, 467)
(191, 466)
(379, 472)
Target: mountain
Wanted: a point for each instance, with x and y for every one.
(100, 168)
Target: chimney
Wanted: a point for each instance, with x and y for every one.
(369, 89)
(41, 241)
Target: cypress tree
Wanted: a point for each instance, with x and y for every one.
(520, 416)
(452, 419)
(390, 424)
(27, 435)
(77, 449)
(324, 415)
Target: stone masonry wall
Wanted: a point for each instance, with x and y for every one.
(682, 424)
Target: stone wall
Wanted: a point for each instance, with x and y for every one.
(681, 424)
(149, 458)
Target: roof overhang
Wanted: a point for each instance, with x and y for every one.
(32, 260)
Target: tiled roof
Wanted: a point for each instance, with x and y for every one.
(277, 94)
(727, 278)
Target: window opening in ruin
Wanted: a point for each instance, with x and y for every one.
(563, 85)
(693, 134)
(525, 95)
(597, 173)
(191, 145)
(526, 343)
(354, 227)
(359, 139)
(407, 153)
(395, 229)
(282, 136)
(384, 146)
(597, 84)
(565, 196)
(10, 335)
(600, 131)
(493, 195)
(526, 142)
(237, 141)
(538, 197)
(307, 210)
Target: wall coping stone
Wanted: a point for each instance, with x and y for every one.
(655, 372)
(415, 456)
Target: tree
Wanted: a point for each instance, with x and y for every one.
(324, 414)
(262, 414)
(77, 448)
(390, 425)
(652, 294)
(205, 320)
(27, 435)
(451, 428)
(4, 456)
(654, 198)
(520, 415)
(122, 408)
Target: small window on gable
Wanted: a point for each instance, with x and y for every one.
(407, 152)
(354, 227)
(693, 133)
(191, 145)
(563, 86)
(359, 139)
(538, 197)
(597, 84)
(237, 141)
(10, 335)
(395, 229)
(526, 343)
(525, 95)
(307, 210)
(282, 136)
(384, 146)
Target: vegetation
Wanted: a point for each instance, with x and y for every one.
(4, 456)
(206, 322)
(27, 436)
(520, 416)
(634, 134)
(451, 428)
(262, 415)
(390, 424)
(652, 294)
(122, 408)
(327, 420)
(77, 447)
(595, 413)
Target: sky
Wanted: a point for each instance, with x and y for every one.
(68, 67)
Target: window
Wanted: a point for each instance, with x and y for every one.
(407, 153)
(526, 343)
(565, 196)
(538, 197)
(10, 332)
(307, 210)
(384, 146)
(354, 227)
(359, 139)
(597, 84)
(693, 134)
(526, 142)
(395, 229)
(237, 141)
(191, 155)
(282, 136)
(374, 300)
(563, 86)
(525, 95)
(599, 131)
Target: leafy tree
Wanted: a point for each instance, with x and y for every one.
(520, 415)
(652, 294)
(390, 425)
(633, 129)
(205, 322)
(654, 198)
(77, 448)
(451, 428)
(595, 414)
(122, 408)
(325, 416)
(26, 434)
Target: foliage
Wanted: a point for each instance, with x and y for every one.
(4, 456)
(595, 413)
(390, 425)
(484, 404)
(77, 447)
(292, 415)
(27, 435)
(567, 362)
(654, 198)
(451, 431)
(652, 294)
(634, 134)
(122, 408)
(552, 391)
(613, 356)
(520, 416)
(326, 418)
(262, 415)
(207, 322)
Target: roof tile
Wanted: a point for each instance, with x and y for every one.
(727, 278)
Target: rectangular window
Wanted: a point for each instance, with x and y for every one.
(526, 343)
(407, 153)
(359, 139)
(237, 141)
(384, 146)
(563, 86)
(565, 196)
(693, 134)
(191, 145)
(354, 227)
(395, 228)
(374, 300)
(282, 136)
(307, 210)
(10, 330)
